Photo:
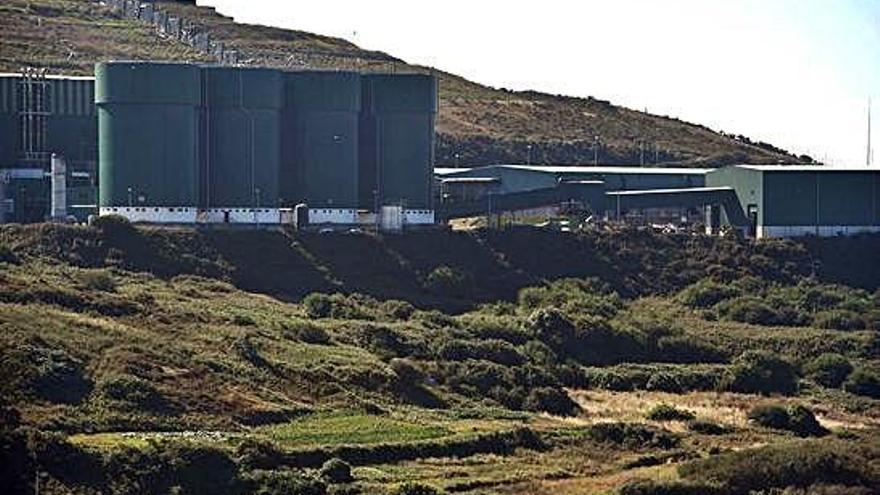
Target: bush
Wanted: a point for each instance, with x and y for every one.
(448, 281)
(748, 309)
(397, 310)
(318, 305)
(706, 293)
(649, 487)
(100, 280)
(416, 489)
(7, 255)
(308, 332)
(863, 382)
(113, 226)
(799, 464)
(761, 372)
(706, 427)
(665, 412)
(130, 393)
(285, 482)
(336, 471)
(633, 435)
(797, 419)
(551, 400)
(829, 370)
(839, 319)
(770, 416)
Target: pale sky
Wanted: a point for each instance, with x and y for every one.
(795, 73)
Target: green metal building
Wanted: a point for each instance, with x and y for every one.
(148, 144)
(241, 132)
(320, 144)
(41, 115)
(789, 201)
(397, 141)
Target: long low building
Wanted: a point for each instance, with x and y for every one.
(759, 200)
(791, 201)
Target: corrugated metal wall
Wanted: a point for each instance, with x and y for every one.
(832, 198)
(149, 134)
(320, 139)
(242, 128)
(397, 140)
(9, 121)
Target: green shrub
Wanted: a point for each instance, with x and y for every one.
(308, 332)
(761, 372)
(243, 320)
(551, 400)
(665, 412)
(770, 416)
(284, 482)
(748, 309)
(98, 279)
(633, 435)
(7, 255)
(336, 471)
(792, 464)
(797, 419)
(650, 487)
(706, 427)
(113, 226)
(839, 319)
(257, 454)
(416, 489)
(448, 281)
(863, 382)
(397, 310)
(130, 393)
(829, 370)
(706, 293)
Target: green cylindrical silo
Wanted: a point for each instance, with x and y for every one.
(242, 115)
(320, 143)
(148, 125)
(397, 140)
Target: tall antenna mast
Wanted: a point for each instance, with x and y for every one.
(868, 156)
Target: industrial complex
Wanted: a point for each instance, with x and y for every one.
(172, 143)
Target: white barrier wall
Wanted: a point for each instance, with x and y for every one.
(152, 214)
(418, 217)
(765, 231)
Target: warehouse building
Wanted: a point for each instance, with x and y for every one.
(462, 191)
(791, 201)
(40, 115)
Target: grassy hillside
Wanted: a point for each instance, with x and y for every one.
(172, 361)
(476, 125)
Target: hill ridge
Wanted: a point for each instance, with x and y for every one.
(477, 124)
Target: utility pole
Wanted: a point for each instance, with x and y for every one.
(595, 150)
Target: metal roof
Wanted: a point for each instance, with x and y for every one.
(579, 169)
(642, 192)
(807, 168)
(454, 180)
(51, 76)
(448, 170)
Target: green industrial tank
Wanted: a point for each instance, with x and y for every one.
(242, 125)
(320, 140)
(148, 125)
(9, 120)
(397, 140)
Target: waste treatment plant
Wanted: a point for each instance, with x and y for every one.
(177, 143)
